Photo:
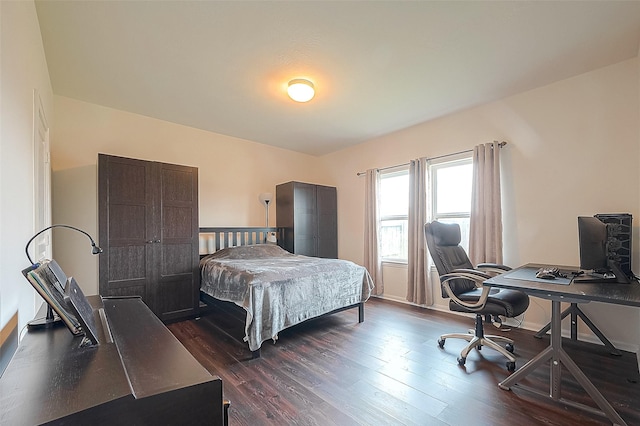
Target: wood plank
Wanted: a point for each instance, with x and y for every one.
(389, 370)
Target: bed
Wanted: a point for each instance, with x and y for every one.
(277, 289)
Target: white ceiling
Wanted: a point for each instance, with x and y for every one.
(377, 66)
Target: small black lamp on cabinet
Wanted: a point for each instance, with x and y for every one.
(50, 320)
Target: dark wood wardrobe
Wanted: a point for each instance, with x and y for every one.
(148, 229)
(307, 217)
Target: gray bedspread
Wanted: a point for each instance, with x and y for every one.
(279, 289)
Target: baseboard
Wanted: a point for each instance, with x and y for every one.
(513, 322)
(393, 299)
(8, 342)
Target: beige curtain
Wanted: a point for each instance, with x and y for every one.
(418, 286)
(485, 233)
(371, 230)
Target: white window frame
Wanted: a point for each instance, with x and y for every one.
(462, 159)
(41, 247)
(393, 172)
(42, 180)
(434, 166)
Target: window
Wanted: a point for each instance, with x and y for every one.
(394, 215)
(451, 186)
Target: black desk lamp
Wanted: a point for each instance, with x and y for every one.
(50, 319)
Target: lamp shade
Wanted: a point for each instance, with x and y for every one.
(301, 90)
(265, 197)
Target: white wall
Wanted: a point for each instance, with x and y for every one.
(232, 173)
(22, 69)
(573, 150)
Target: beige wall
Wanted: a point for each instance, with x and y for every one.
(570, 145)
(232, 172)
(23, 69)
(573, 150)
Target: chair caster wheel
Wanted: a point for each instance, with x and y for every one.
(461, 361)
(509, 347)
(511, 366)
(441, 343)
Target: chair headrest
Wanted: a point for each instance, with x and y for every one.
(444, 234)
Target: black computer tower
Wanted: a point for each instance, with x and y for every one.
(619, 239)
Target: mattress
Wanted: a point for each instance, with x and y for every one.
(278, 289)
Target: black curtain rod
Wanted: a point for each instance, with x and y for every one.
(501, 144)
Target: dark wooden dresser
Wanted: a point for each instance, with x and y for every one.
(148, 229)
(307, 215)
(142, 375)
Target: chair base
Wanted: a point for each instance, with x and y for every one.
(477, 340)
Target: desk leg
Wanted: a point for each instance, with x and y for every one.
(559, 357)
(550, 353)
(593, 392)
(597, 332)
(524, 371)
(556, 345)
(575, 312)
(574, 321)
(543, 331)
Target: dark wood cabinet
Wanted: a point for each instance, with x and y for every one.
(148, 229)
(307, 217)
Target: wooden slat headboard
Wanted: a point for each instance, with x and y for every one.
(213, 239)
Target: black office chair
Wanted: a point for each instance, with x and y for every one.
(462, 283)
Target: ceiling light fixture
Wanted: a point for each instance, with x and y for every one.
(301, 90)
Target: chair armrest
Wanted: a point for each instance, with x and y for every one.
(493, 268)
(471, 274)
(477, 277)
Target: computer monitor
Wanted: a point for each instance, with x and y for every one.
(592, 235)
(594, 258)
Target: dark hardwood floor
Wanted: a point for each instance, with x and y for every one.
(389, 370)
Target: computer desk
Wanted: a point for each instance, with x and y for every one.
(523, 279)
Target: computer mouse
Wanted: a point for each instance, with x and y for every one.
(545, 276)
(547, 273)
